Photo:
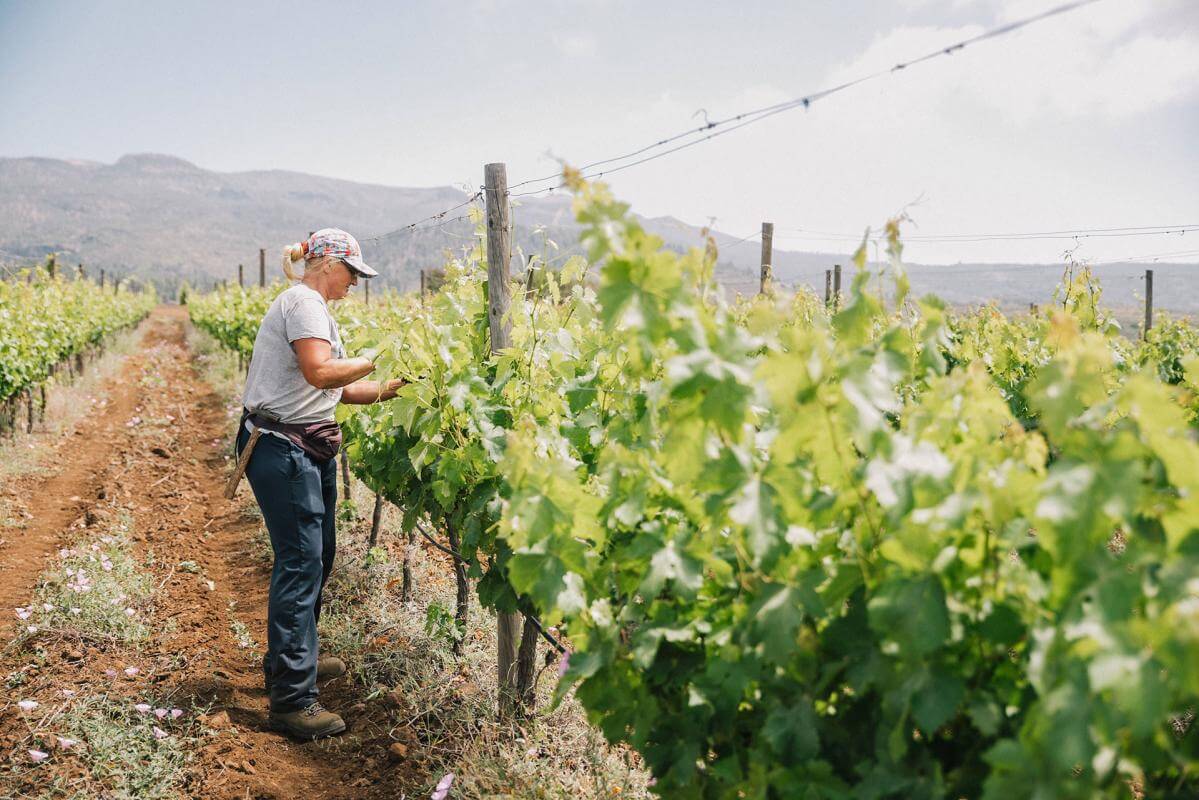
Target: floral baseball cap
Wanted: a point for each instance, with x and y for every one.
(336, 242)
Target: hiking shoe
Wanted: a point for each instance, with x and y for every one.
(327, 668)
(314, 722)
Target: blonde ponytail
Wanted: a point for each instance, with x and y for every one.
(291, 254)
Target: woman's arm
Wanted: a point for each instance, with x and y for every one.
(322, 370)
(364, 392)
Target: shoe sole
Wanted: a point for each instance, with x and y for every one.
(305, 735)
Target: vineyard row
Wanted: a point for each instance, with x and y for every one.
(872, 550)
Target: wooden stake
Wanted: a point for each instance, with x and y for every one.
(366, 287)
(498, 300)
(407, 586)
(241, 275)
(767, 257)
(422, 285)
(262, 267)
(828, 287)
(836, 287)
(345, 476)
(242, 460)
(376, 518)
(101, 278)
(1148, 303)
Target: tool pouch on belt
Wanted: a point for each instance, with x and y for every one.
(321, 440)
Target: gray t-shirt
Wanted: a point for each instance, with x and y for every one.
(275, 387)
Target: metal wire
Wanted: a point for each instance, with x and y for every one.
(757, 115)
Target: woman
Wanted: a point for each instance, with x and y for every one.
(298, 374)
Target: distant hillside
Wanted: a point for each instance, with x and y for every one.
(166, 220)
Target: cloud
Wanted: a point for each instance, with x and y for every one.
(575, 45)
(1027, 132)
(1101, 61)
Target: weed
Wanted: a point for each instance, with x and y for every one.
(128, 750)
(96, 593)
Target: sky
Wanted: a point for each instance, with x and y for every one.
(1087, 120)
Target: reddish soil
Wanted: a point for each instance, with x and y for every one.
(169, 477)
(84, 468)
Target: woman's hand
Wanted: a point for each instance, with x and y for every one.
(389, 389)
(366, 392)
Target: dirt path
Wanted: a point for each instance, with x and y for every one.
(64, 499)
(158, 452)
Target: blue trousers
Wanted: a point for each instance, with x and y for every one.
(298, 498)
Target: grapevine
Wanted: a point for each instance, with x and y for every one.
(886, 550)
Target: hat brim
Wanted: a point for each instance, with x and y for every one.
(359, 266)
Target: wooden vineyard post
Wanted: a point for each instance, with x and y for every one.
(262, 267)
(1148, 303)
(366, 287)
(422, 286)
(828, 287)
(767, 257)
(80, 273)
(495, 186)
(241, 275)
(101, 278)
(836, 287)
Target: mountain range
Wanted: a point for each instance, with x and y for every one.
(165, 220)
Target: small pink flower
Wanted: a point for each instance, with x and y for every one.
(76, 611)
(66, 744)
(161, 713)
(176, 713)
(563, 663)
(112, 673)
(31, 629)
(37, 755)
(68, 693)
(47, 607)
(27, 705)
(107, 565)
(131, 671)
(443, 787)
(159, 733)
(23, 613)
(142, 708)
(129, 612)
